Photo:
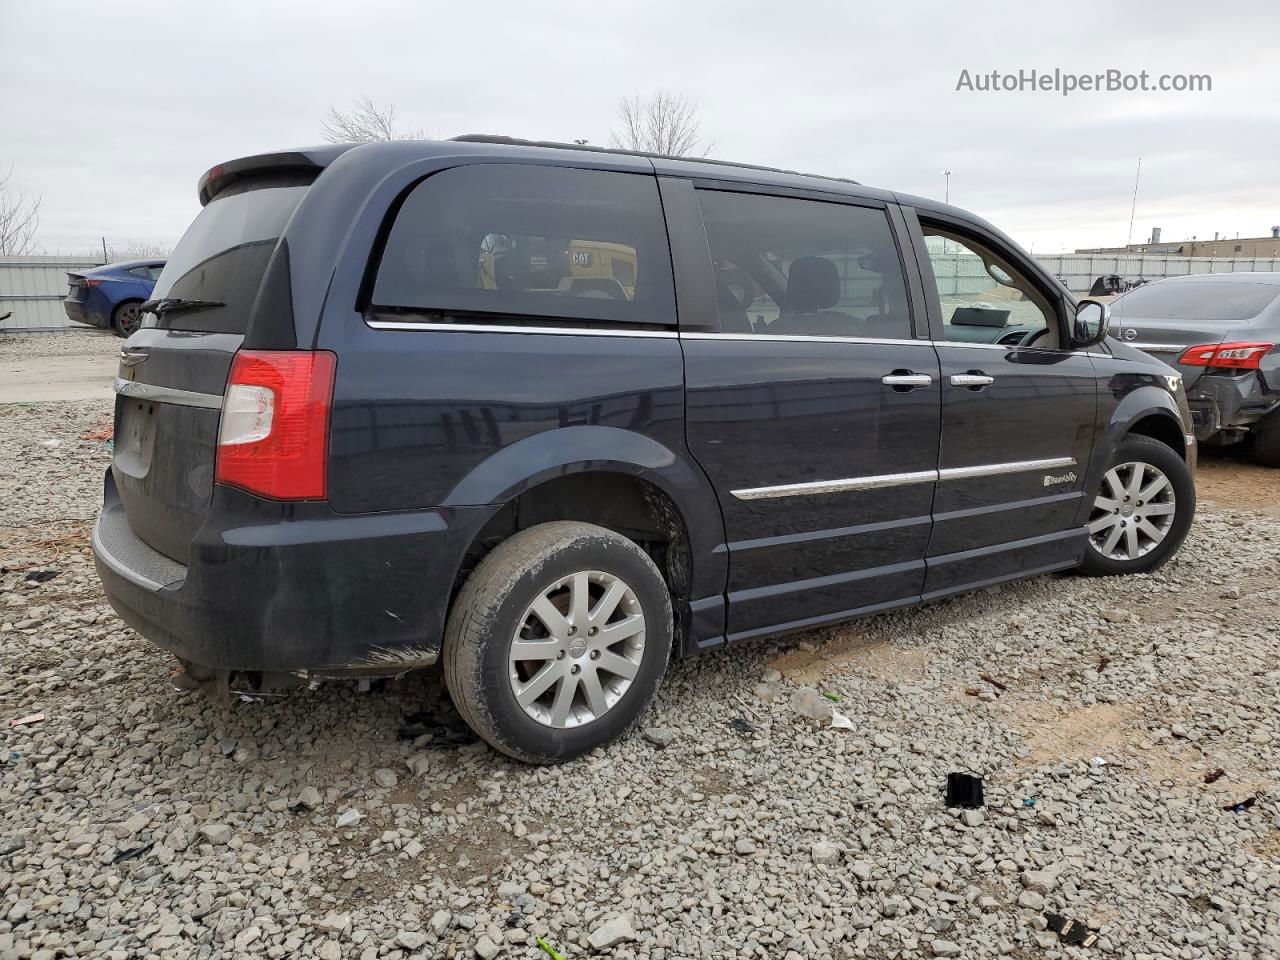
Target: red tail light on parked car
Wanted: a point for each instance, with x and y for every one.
(1235, 356)
(274, 436)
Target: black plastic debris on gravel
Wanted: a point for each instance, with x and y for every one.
(417, 726)
(132, 854)
(40, 576)
(964, 790)
(1070, 931)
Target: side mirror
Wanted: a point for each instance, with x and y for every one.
(1092, 324)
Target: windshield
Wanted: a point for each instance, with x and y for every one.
(1225, 301)
(222, 257)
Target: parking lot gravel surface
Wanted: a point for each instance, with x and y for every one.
(137, 821)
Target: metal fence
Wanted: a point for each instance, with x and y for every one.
(32, 288)
(1079, 270)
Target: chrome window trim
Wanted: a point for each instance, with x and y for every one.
(800, 338)
(183, 398)
(575, 331)
(984, 346)
(580, 331)
(900, 479)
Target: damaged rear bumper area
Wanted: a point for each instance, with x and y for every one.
(280, 592)
(1224, 407)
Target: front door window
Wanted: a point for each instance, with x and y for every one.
(984, 299)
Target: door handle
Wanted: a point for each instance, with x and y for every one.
(907, 380)
(974, 381)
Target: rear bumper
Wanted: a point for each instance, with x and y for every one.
(80, 313)
(291, 588)
(1224, 407)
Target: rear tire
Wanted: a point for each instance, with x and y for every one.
(1265, 447)
(588, 607)
(1136, 525)
(126, 317)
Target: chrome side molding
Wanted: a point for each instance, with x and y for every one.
(901, 479)
(836, 486)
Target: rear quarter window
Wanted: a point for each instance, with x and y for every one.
(527, 242)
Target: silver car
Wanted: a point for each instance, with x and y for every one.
(1220, 331)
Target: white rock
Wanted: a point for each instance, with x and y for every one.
(410, 940)
(613, 931)
(1031, 900)
(216, 833)
(310, 797)
(824, 852)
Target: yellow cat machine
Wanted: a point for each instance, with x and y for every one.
(576, 268)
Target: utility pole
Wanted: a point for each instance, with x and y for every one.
(946, 197)
(1134, 209)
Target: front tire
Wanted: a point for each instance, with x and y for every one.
(126, 318)
(1143, 510)
(557, 641)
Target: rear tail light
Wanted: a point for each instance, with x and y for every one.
(1234, 356)
(274, 436)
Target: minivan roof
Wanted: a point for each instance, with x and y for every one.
(314, 159)
(309, 161)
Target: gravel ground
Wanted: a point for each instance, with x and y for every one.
(138, 822)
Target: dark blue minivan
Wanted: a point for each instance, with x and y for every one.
(552, 415)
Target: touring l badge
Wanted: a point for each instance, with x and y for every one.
(1051, 481)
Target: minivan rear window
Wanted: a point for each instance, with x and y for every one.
(222, 257)
(1226, 301)
(524, 241)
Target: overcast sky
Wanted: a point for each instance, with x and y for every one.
(112, 111)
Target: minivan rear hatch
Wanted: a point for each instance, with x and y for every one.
(173, 371)
(1165, 318)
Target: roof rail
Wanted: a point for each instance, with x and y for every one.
(517, 142)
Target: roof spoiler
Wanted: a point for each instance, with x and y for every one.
(296, 162)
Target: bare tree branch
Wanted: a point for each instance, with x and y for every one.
(19, 219)
(366, 122)
(138, 250)
(664, 122)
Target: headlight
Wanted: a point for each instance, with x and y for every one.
(1172, 381)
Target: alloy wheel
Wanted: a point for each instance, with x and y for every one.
(130, 318)
(577, 649)
(1133, 512)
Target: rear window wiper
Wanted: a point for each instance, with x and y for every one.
(164, 305)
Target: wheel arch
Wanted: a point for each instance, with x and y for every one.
(1161, 426)
(1148, 411)
(641, 489)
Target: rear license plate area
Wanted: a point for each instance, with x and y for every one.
(136, 436)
